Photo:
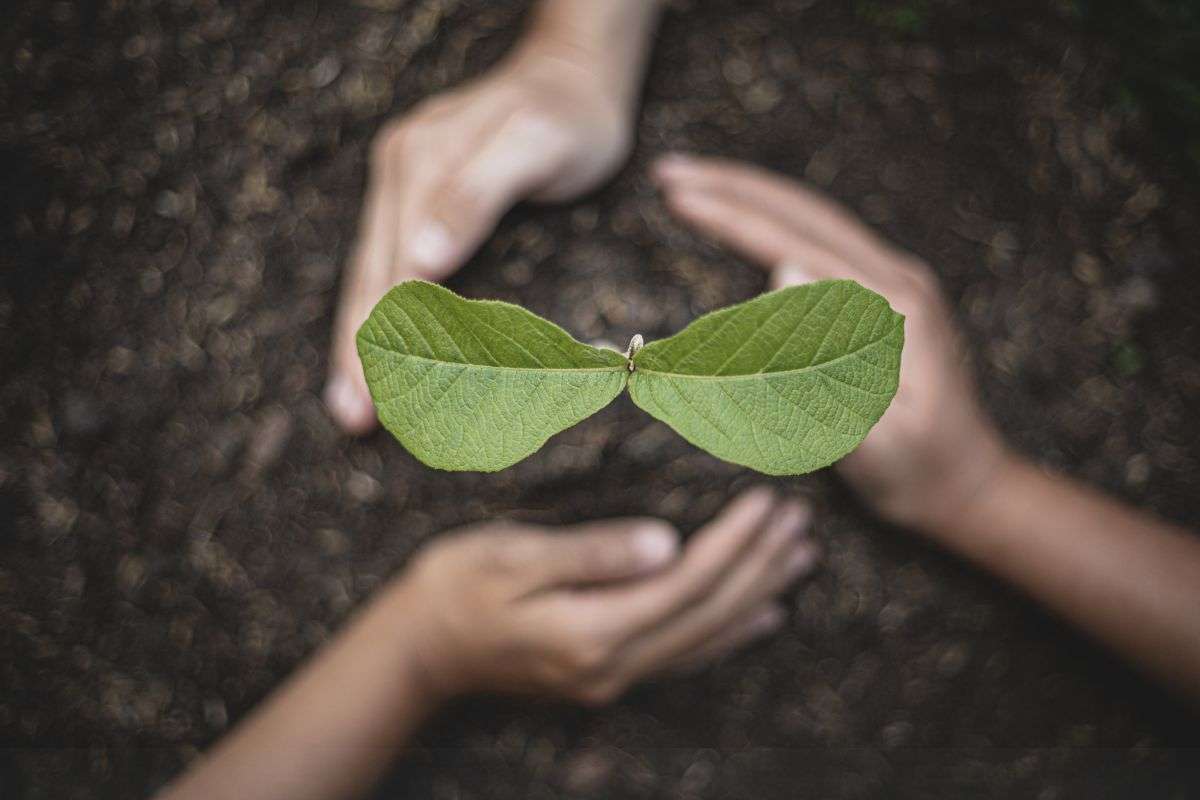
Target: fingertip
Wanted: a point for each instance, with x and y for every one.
(350, 408)
(748, 511)
(654, 543)
(793, 516)
(673, 166)
(803, 559)
(803, 515)
(757, 497)
(767, 620)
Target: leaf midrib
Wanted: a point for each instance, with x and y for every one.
(747, 375)
(442, 362)
(646, 370)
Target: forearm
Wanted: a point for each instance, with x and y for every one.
(612, 36)
(1123, 576)
(329, 732)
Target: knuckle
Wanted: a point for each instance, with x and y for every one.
(592, 556)
(444, 551)
(919, 283)
(540, 127)
(436, 549)
(505, 552)
(589, 648)
(399, 140)
(459, 196)
(434, 107)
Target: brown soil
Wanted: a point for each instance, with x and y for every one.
(181, 524)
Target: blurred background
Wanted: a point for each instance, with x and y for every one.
(181, 524)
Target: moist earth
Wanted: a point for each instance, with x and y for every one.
(182, 524)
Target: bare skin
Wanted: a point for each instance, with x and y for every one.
(935, 462)
(550, 122)
(578, 614)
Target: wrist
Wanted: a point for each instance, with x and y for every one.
(974, 495)
(396, 621)
(553, 61)
(957, 487)
(604, 44)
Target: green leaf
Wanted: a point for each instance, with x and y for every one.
(474, 384)
(786, 383)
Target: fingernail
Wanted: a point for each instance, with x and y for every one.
(432, 247)
(336, 392)
(757, 503)
(352, 411)
(655, 545)
(790, 274)
(793, 521)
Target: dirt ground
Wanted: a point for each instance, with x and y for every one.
(180, 524)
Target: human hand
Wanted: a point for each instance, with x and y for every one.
(548, 124)
(934, 447)
(582, 613)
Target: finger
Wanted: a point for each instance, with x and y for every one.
(762, 621)
(432, 155)
(629, 610)
(775, 245)
(395, 184)
(346, 393)
(756, 235)
(811, 214)
(792, 273)
(463, 209)
(607, 550)
(781, 555)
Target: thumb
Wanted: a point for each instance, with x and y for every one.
(462, 211)
(607, 550)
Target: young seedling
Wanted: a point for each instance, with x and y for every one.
(786, 383)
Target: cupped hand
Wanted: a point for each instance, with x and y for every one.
(544, 125)
(581, 613)
(934, 447)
